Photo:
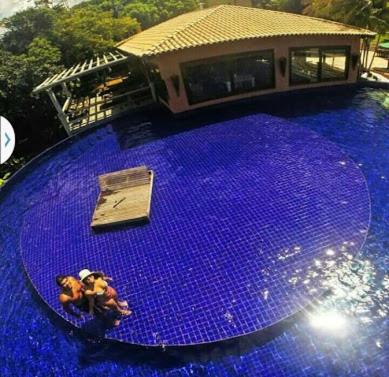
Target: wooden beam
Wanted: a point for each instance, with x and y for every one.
(83, 66)
(64, 75)
(61, 114)
(66, 90)
(75, 71)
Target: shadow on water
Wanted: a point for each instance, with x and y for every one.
(94, 348)
(140, 128)
(99, 350)
(354, 288)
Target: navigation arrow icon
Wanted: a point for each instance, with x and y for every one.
(7, 139)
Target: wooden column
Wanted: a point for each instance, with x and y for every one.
(66, 90)
(61, 114)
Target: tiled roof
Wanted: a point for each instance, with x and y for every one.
(228, 23)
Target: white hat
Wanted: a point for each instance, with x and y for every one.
(83, 274)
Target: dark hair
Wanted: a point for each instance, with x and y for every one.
(59, 279)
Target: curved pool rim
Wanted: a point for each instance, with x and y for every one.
(64, 144)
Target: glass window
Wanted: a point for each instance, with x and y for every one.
(305, 66)
(334, 64)
(208, 81)
(253, 72)
(228, 75)
(311, 65)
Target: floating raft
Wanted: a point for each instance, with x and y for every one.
(125, 197)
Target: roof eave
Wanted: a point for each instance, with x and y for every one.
(148, 53)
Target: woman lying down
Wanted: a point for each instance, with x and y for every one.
(100, 293)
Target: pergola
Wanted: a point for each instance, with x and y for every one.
(110, 99)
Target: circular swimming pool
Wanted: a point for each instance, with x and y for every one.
(238, 208)
(38, 343)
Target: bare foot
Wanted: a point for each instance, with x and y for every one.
(116, 322)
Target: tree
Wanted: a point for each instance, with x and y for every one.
(85, 32)
(19, 74)
(295, 6)
(26, 25)
(147, 12)
(370, 14)
(41, 40)
(43, 59)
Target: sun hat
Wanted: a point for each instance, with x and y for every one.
(83, 274)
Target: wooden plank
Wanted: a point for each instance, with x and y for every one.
(65, 75)
(132, 203)
(83, 66)
(51, 79)
(75, 69)
(48, 79)
(124, 178)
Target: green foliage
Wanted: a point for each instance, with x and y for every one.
(295, 6)
(38, 43)
(19, 74)
(147, 12)
(79, 33)
(85, 32)
(371, 14)
(43, 59)
(24, 26)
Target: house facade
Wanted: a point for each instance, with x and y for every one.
(228, 53)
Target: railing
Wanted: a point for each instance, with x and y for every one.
(383, 53)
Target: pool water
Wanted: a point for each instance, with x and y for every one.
(342, 334)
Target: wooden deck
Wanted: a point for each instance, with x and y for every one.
(125, 197)
(91, 111)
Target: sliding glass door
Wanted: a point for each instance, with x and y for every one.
(229, 75)
(318, 64)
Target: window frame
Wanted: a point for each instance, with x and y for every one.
(229, 58)
(347, 48)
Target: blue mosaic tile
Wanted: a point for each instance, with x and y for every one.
(238, 207)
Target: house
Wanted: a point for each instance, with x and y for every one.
(231, 52)
(207, 57)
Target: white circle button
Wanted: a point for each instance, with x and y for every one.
(7, 140)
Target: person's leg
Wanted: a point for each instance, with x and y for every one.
(111, 303)
(114, 295)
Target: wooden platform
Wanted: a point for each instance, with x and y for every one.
(125, 197)
(98, 109)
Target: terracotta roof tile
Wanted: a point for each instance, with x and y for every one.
(227, 23)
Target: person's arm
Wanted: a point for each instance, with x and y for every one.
(66, 305)
(90, 295)
(91, 302)
(91, 292)
(106, 278)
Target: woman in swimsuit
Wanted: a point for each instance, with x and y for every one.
(99, 292)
